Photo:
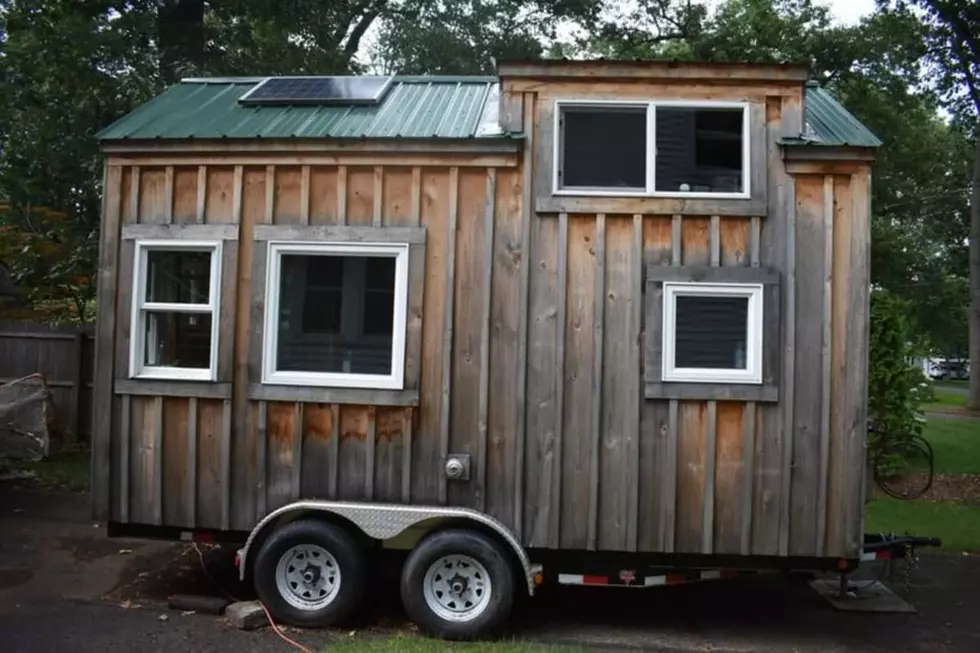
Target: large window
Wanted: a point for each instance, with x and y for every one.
(712, 332)
(335, 314)
(673, 149)
(175, 310)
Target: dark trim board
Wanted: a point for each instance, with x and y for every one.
(161, 388)
(712, 391)
(710, 274)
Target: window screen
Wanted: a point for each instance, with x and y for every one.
(711, 332)
(699, 150)
(603, 147)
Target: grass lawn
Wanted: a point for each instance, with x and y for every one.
(944, 400)
(413, 644)
(956, 445)
(67, 469)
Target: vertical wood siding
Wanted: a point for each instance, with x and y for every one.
(599, 466)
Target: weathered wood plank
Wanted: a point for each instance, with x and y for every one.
(598, 323)
(353, 234)
(354, 426)
(262, 466)
(830, 210)
(370, 451)
(669, 471)
(618, 386)
(715, 238)
(168, 194)
(483, 399)
(226, 464)
(691, 474)
(218, 205)
(353, 396)
(323, 195)
(125, 438)
(416, 208)
(426, 456)
(152, 197)
(676, 229)
(279, 462)
(652, 458)
(755, 237)
(318, 429)
(185, 194)
(334, 468)
(520, 430)
(179, 231)
(270, 194)
(304, 195)
(508, 258)
(729, 450)
(377, 196)
(544, 380)
(708, 503)
(447, 329)
(396, 197)
(735, 244)
(579, 387)
(173, 454)
(811, 212)
(103, 374)
(360, 190)
(407, 428)
(634, 408)
(299, 433)
(767, 392)
(202, 193)
(748, 477)
(154, 453)
(288, 196)
(389, 451)
(701, 273)
(190, 493)
(131, 208)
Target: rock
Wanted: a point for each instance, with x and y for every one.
(246, 615)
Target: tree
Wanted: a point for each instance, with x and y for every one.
(953, 70)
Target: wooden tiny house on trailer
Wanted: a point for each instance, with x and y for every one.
(579, 307)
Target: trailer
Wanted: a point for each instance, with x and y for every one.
(579, 320)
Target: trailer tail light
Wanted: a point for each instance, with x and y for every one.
(198, 537)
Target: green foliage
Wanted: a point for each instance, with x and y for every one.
(956, 524)
(895, 386)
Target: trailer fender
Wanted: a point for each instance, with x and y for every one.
(383, 521)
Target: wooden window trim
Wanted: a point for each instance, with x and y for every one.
(655, 385)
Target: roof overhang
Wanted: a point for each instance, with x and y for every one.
(808, 151)
(655, 70)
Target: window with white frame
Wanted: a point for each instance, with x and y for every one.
(669, 149)
(712, 333)
(175, 310)
(336, 314)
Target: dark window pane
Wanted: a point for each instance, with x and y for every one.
(178, 340)
(179, 277)
(336, 314)
(604, 148)
(699, 150)
(710, 332)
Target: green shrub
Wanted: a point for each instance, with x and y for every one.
(896, 387)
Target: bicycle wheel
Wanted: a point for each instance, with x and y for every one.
(904, 468)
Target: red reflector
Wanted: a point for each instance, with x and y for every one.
(595, 580)
(238, 560)
(203, 538)
(884, 554)
(674, 579)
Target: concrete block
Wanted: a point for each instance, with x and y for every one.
(246, 615)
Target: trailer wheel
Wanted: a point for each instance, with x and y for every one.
(458, 584)
(311, 573)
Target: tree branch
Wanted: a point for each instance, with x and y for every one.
(368, 17)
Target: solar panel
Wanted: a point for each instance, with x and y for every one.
(318, 90)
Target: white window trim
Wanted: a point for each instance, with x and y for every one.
(651, 150)
(393, 381)
(752, 374)
(137, 337)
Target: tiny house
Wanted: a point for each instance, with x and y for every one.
(580, 317)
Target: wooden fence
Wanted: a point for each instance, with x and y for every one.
(64, 357)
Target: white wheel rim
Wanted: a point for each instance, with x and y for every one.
(457, 588)
(308, 577)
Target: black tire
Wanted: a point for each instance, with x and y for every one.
(351, 563)
(485, 550)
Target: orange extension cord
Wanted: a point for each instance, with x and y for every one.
(272, 623)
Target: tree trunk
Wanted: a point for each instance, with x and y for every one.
(974, 399)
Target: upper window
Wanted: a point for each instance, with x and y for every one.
(175, 322)
(335, 314)
(712, 332)
(695, 149)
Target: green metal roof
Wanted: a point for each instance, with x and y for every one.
(830, 124)
(414, 107)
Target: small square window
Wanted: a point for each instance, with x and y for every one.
(174, 331)
(603, 147)
(712, 333)
(336, 315)
(700, 150)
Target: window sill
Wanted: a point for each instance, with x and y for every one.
(326, 395)
(195, 375)
(169, 388)
(634, 192)
(712, 391)
(650, 205)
